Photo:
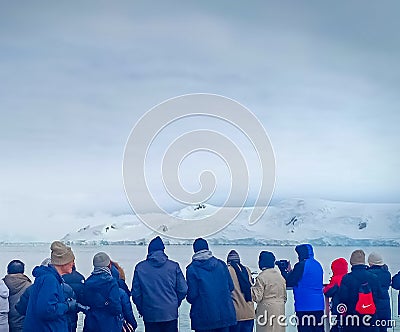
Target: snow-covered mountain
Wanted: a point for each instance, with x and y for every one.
(288, 222)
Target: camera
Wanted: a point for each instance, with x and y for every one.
(282, 264)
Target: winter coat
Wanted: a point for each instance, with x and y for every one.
(244, 310)
(121, 282)
(306, 278)
(4, 306)
(72, 316)
(396, 285)
(383, 310)
(47, 306)
(209, 293)
(339, 269)
(158, 288)
(269, 292)
(17, 284)
(350, 285)
(22, 304)
(127, 311)
(101, 294)
(124, 296)
(76, 281)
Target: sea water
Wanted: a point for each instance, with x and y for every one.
(129, 256)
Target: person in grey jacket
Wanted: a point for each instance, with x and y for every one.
(4, 307)
(158, 288)
(17, 282)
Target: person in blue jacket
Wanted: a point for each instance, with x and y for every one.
(209, 291)
(74, 281)
(306, 278)
(72, 315)
(101, 293)
(124, 296)
(158, 288)
(396, 285)
(47, 305)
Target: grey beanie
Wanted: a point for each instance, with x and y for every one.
(101, 259)
(375, 259)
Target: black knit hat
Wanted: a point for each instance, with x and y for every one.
(266, 260)
(15, 266)
(200, 244)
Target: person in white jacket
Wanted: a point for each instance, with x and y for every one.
(4, 307)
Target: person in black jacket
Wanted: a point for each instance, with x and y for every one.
(349, 291)
(383, 311)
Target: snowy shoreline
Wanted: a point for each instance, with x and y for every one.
(287, 223)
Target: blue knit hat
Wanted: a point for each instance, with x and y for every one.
(156, 244)
(200, 244)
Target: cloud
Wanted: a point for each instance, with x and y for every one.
(322, 78)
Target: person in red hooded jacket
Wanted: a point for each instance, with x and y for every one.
(339, 268)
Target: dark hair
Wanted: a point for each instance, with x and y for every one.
(15, 266)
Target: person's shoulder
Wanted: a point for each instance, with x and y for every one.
(142, 264)
(219, 261)
(174, 265)
(347, 277)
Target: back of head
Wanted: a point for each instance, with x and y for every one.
(101, 259)
(200, 244)
(15, 266)
(156, 244)
(357, 257)
(340, 266)
(120, 270)
(61, 254)
(266, 260)
(375, 259)
(304, 251)
(233, 257)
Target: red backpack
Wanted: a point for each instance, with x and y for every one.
(365, 304)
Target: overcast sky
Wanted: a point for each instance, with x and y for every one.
(323, 78)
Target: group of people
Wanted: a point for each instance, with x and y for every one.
(223, 296)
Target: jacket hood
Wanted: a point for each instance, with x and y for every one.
(304, 251)
(99, 280)
(339, 266)
(43, 270)
(157, 258)
(207, 264)
(16, 282)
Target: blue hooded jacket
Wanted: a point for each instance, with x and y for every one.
(209, 292)
(101, 293)
(158, 288)
(306, 278)
(47, 306)
(125, 298)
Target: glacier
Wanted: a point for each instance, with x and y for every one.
(288, 222)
